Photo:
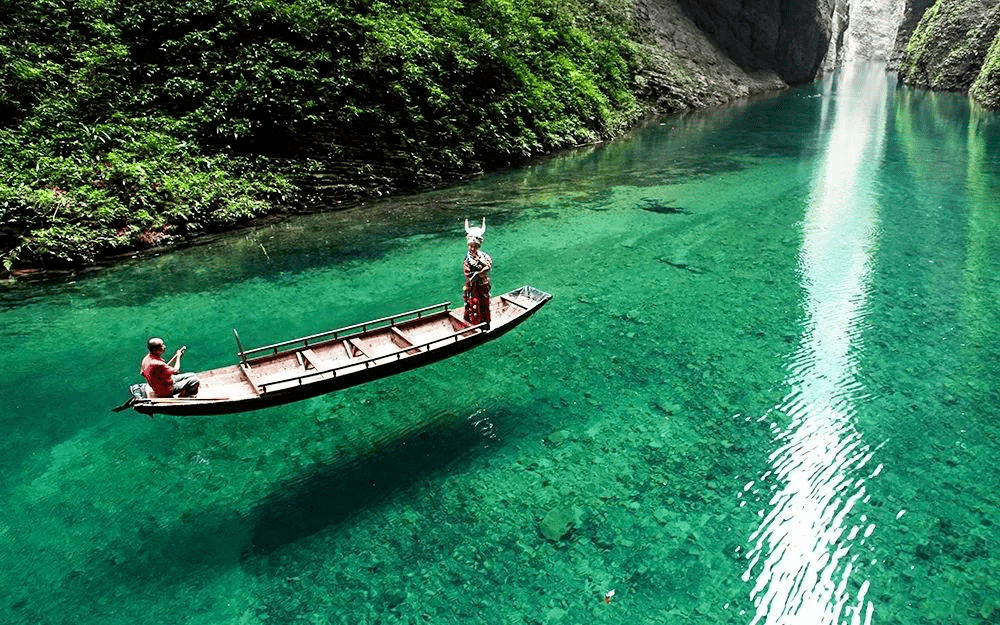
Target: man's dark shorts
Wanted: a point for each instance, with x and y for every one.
(186, 384)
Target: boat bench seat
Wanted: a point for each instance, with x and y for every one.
(354, 350)
(312, 359)
(511, 302)
(458, 321)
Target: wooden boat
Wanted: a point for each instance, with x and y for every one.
(329, 361)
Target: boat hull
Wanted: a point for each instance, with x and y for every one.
(514, 307)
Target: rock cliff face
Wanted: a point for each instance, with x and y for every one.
(840, 19)
(789, 38)
(708, 51)
(948, 50)
(986, 87)
(913, 12)
(704, 52)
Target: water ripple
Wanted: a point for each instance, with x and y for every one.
(800, 561)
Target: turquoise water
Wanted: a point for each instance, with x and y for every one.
(765, 392)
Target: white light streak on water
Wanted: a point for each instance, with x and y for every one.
(802, 556)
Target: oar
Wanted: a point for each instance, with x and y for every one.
(128, 404)
(166, 400)
(181, 400)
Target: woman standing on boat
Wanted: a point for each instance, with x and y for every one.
(477, 277)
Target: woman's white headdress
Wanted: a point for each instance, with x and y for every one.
(475, 233)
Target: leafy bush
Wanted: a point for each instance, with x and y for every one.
(129, 123)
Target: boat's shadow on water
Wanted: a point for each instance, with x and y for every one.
(332, 493)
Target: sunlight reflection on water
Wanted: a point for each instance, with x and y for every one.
(801, 559)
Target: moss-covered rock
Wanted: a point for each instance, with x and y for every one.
(949, 48)
(986, 88)
(913, 12)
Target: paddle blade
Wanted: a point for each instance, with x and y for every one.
(128, 404)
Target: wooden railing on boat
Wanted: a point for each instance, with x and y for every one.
(339, 333)
(301, 346)
(367, 362)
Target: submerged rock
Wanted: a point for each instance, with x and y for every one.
(558, 437)
(558, 522)
(662, 515)
(683, 266)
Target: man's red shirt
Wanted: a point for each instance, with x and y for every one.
(159, 374)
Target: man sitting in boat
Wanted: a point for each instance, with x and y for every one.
(477, 277)
(164, 378)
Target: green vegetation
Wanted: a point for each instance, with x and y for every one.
(915, 65)
(129, 124)
(986, 88)
(954, 48)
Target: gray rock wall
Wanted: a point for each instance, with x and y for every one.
(686, 68)
(912, 14)
(840, 20)
(949, 47)
(788, 37)
(703, 52)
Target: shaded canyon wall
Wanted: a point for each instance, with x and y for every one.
(703, 52)
(956, 47)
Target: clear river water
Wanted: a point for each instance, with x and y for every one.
(765, 392)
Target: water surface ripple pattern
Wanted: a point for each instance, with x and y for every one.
(803, 556)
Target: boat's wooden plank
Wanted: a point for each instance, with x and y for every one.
(357, 348)
(457, 320)
(351, 349)
(348, 353)
(313, 360)
(282, 378)
(380, 323)
(245, 368)
(405, 340)
(513, 303)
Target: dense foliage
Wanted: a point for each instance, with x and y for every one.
(125, 124)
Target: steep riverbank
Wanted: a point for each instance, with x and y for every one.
(139, 124)
(956, 47)
(147, 125)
